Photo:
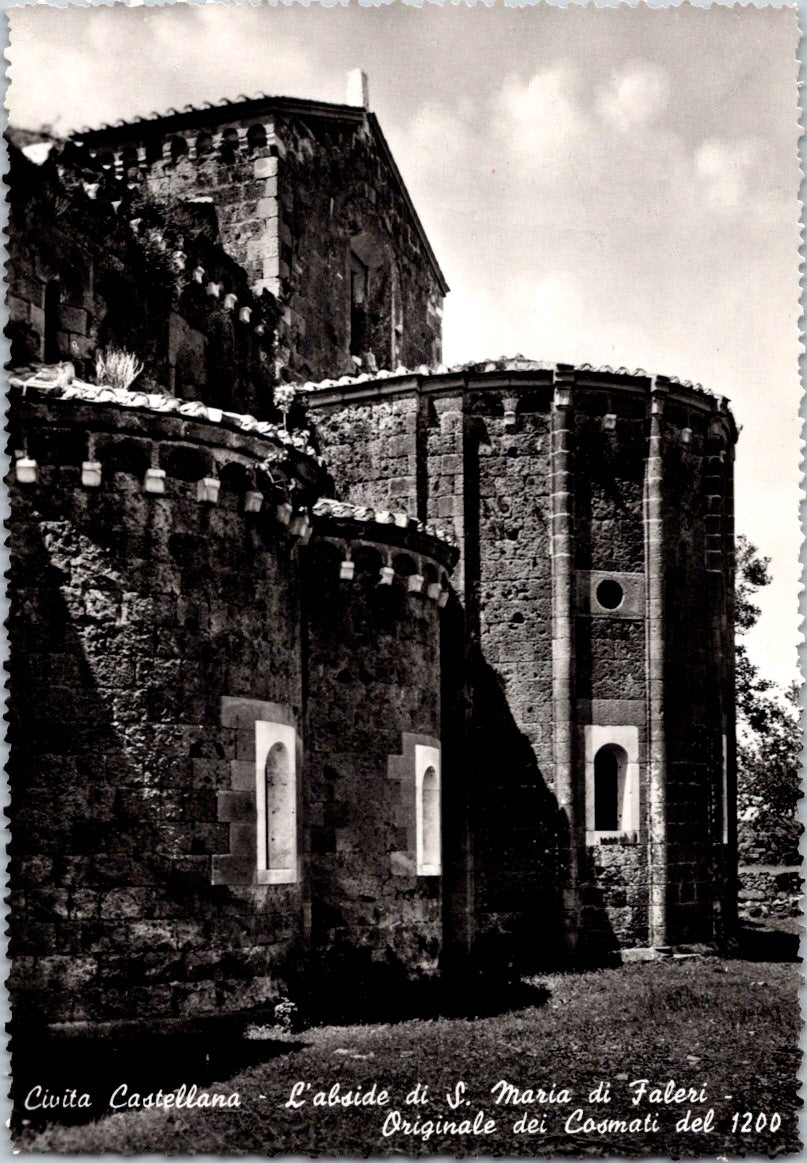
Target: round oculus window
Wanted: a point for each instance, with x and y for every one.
(610, 594)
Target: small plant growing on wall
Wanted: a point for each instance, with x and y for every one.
(284, 398)
(117, 368)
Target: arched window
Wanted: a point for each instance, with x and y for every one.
(358, 305)
(396, 312)
(280, 813)
(606, 790)
(612, 782)
(427, 811)
(430, 814)
(276, 801)
(204, 144)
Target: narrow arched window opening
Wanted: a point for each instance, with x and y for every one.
(430, 793)
(606, 790)
(279, 808)
(359, 276)
(427, 811)
(612, 783)
(204, 144)
(276, 774)
(396, 313)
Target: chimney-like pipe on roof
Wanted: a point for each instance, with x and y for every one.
(357, 90)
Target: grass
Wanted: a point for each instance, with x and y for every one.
(731, 1027)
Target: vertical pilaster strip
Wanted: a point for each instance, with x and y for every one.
(422, 499)
(715, 708)
(713, 487)
(657, 748)
(563, 629)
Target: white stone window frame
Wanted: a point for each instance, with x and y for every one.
(425, 864)
(626, 738)
(267, 735)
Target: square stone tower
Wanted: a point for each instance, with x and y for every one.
(307, 199)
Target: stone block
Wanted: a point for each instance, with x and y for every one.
(67, 973)
(18, 309)
(236, 806)
(199, 997)
(123, 902)
(73, 319)
(245, 744)
(243, 840)
(242, 775)
(81, 346)
(265, 246)
(231, 870)
(243, 712)
(208, 774)
(271, 266)
(266, 206)
(265, 167)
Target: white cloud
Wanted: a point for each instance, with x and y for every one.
(537, 314)
(194, 53)
(542, 120)
(637, 96)
(724, 170)
(439, 138)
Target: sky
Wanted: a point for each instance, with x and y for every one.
(611, 186)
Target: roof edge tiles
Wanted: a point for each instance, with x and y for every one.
(523, 368)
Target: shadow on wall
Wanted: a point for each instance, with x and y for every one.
(372, 673)
(521, 852)
(113, 772)
(73, 837)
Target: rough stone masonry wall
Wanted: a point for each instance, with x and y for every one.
(335, 190)
(439, 475)
(131, 616)
(610, 650)
(240, 180)
(465, 462)
(693, 679)
(125, 279)
(487, 474)
(372, 452)
(451, 454)
(770, 890)
(508, 595)
(373, 691)
(292, 194)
